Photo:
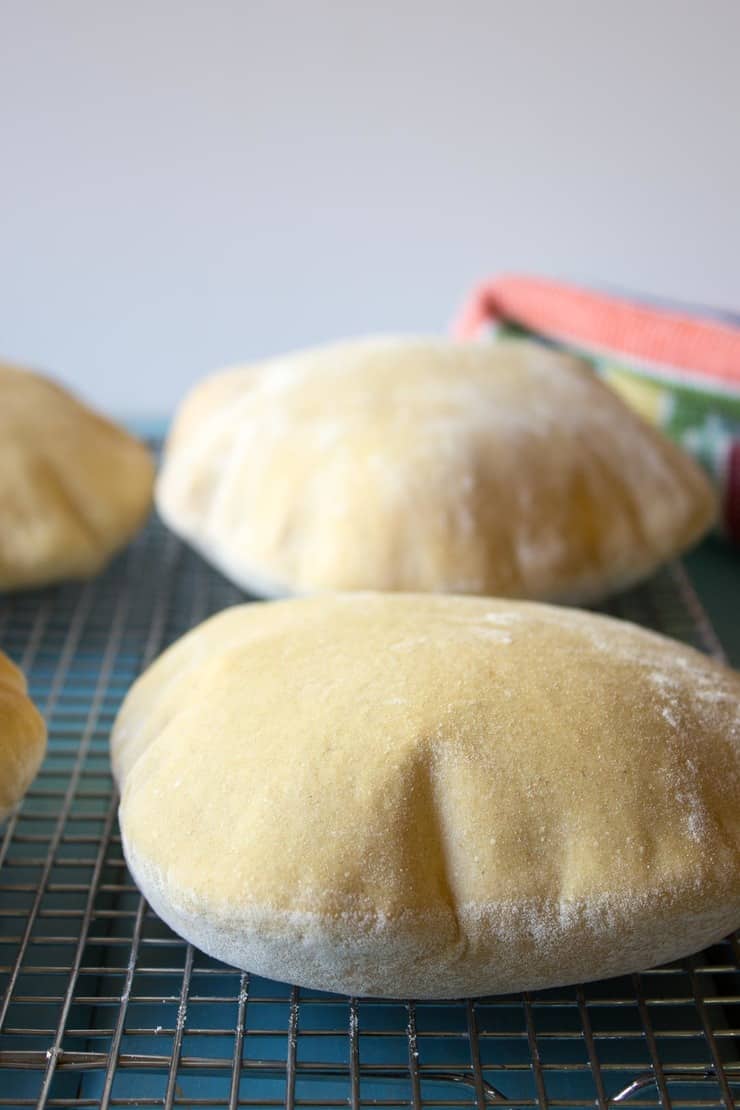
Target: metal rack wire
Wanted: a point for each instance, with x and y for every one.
(103, 1006)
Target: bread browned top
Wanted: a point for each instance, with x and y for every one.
(73, 486)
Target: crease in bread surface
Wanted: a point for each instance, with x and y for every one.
(426, 796)
(417, 464)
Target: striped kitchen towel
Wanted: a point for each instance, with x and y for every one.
(679, 368)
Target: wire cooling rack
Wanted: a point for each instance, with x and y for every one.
(103, 1006)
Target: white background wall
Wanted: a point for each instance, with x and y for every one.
(187, 185)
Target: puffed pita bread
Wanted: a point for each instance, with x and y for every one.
(425, 465)
(74, 487)
(423, 796)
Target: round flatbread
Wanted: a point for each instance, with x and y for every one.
(426, 465)
(425, 796)
(73, 486)
(22, 737)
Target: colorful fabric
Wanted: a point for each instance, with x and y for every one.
(680, 371)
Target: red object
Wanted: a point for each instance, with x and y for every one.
(732, 493)
(603, 323)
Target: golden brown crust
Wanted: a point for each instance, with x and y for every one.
(74, 487)
(431, 796)
(503, 469)
(22, 737)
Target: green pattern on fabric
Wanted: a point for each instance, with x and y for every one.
(703, 421)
